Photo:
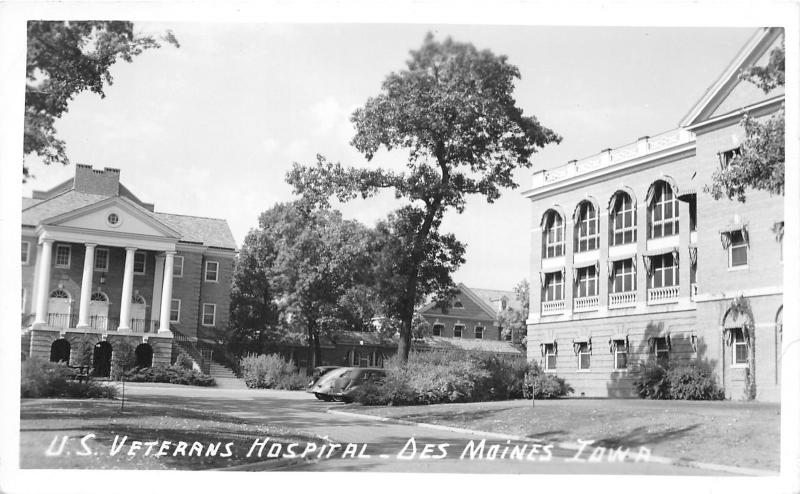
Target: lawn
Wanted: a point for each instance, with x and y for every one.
(44, 422)
(730, 433)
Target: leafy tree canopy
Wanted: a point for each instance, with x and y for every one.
(452, 109)
(760, 163)
(65, 58)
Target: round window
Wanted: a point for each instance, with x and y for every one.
(113, 219)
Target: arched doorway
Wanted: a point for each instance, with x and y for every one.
(144, 355)
(59, 308)
(101, 359)
(98, 310)
(59, 351)
(138, 308)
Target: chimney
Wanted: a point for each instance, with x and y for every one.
(101, 182)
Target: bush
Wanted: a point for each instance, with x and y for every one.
(184, 361)
(693, 381)
(547, 386)
(449, 377)
(43, 379)
(685, 381)
(173, 374)
(271, 371)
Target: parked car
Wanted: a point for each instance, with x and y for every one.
(322, 389)
(348, 382)
(318, 372)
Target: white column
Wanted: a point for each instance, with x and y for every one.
(44, 283)
(127, 291)
(86, 286)
(166, 293)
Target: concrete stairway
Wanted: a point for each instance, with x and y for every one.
(225, 377)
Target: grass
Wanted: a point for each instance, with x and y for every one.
(45, 421)
(730, 433)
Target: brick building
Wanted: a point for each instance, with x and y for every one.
(471, 314)
(632, 261)
(94, 259)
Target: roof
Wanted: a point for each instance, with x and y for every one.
(211, 232)
(750, 53)
(472, 345)
(492, 296)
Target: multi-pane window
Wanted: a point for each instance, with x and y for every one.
(726, 157)
(177, 267)
(624, 277)
(26, 252)
(101, 259)
(458, 330)
(63, 254)
(665, 271)
(661, 350)
(212, 271)
(175, 310)
(623, 220)
(737, 250)
(553, 235)
(209, 314)
(437, 329)
(620, 355)
(553, 286)
(479, 332)
(739, 347)
(587, 282)
(587, 228)
(584, 356)
(663, 211)
(139, 262)
(549, 356)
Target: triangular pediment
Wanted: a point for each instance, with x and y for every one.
(729, 93)
(465, 294)
(115, 214)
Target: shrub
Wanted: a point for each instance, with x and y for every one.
(684, 381)
(271, 371)
(547, 386)
(173, 374)
(693, 381)
(43, 379)
(447, 377)
(184, 361)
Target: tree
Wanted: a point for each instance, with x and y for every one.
(453, 110)
(760, 162)
(254, 310)
(302, 268)
(513, 320)
(65, 58)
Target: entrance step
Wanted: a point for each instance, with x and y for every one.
(225, 377)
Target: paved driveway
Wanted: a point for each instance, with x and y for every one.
(385, 441)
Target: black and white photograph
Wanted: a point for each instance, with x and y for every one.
(293, 246)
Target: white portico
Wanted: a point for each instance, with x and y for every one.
(113, 223)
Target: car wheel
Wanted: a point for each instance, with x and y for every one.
(319, 396)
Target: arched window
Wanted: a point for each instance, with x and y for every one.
(137, 299)
(587, 228)
(59, 293)
(553, 235)
(99, 297)
(662, 210)
(622, 220)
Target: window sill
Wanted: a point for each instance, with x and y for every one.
(743, 267)
(738, 366)
(624, 371)
(550, 371)
(584, 371)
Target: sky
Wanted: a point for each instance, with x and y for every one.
(211, 128)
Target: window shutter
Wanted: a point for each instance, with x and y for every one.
(725, 238)
(648, 265)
